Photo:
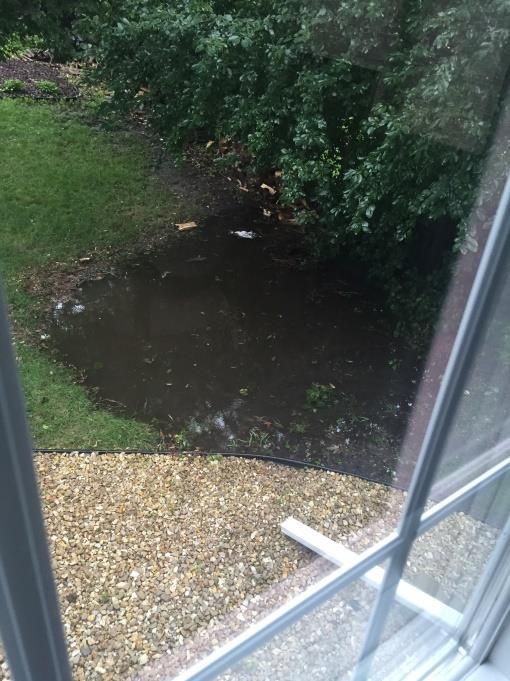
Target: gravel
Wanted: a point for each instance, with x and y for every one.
(160, 558)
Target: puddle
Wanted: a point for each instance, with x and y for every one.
(227, 343)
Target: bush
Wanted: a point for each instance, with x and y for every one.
(12, 85)
(43, 24)
(16, 45)
(47, 87)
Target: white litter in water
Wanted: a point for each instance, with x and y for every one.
(76, 309)
(243, 234)
(59, 306)
(219, 422)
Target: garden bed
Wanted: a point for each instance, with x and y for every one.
(30, 78)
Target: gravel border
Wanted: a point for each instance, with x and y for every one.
(158, 559)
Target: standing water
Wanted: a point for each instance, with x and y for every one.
(227, 342)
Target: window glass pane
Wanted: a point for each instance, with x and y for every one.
(451, 567)
(409, 641)
(479, 434)
(447, 561)
(322, 645)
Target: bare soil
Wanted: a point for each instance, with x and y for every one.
(30, 71)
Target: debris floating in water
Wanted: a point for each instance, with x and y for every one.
(243, 234)
(185, 226)
(269, 189)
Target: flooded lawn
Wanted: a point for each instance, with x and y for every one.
(228, 342)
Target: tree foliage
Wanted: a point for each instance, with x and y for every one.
(53, 20)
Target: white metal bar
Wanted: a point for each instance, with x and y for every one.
(409, 595)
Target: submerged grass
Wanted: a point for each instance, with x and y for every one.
(66, 189)
(62, 415)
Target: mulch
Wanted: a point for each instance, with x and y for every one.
(30, 71)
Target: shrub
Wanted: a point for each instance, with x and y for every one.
(319, 395)
(12, 85)
(44, 23)
(47, 87)
(16, 45)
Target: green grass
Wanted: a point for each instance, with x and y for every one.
(64, 190)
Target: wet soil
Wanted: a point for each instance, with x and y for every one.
(228, 339)
(29, 71)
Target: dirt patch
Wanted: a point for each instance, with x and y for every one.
(30, 72)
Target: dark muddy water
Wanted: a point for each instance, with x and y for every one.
(227, 341)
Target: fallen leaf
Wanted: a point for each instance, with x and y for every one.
(271, 190)
(184, 226)
(286, 215)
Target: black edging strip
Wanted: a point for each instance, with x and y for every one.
(292, 463)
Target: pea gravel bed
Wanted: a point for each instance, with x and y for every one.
(160, 558)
